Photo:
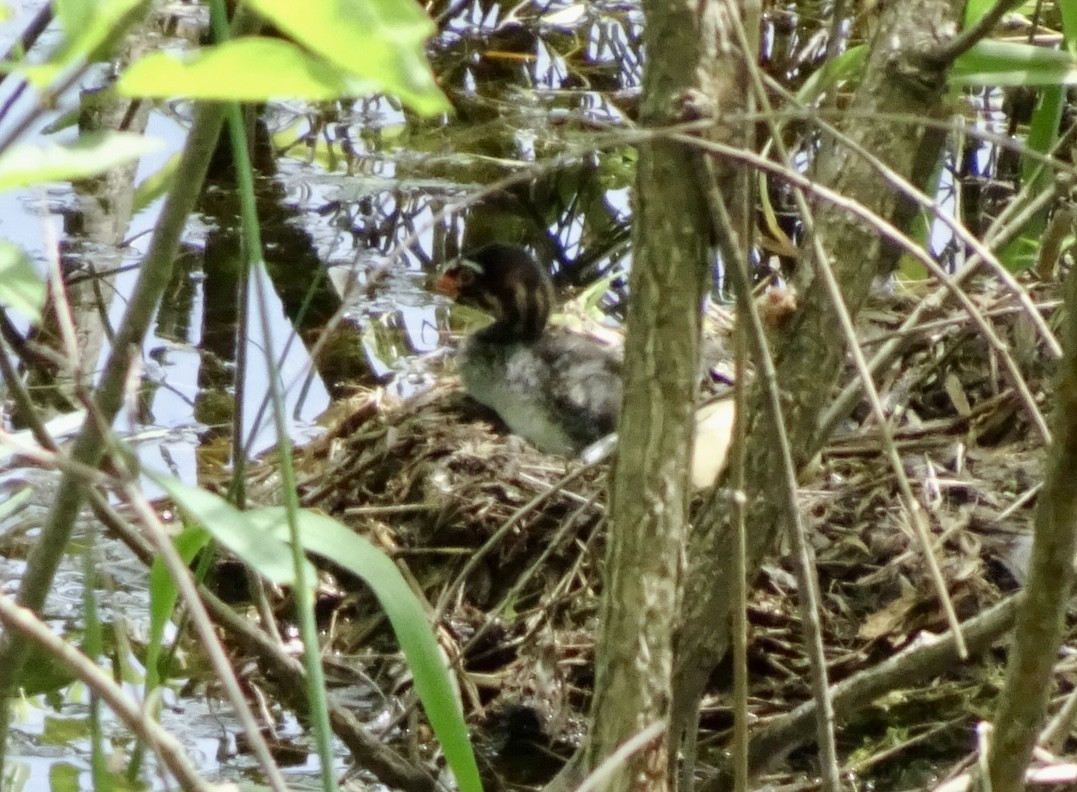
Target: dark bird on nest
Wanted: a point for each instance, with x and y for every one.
(559, 390)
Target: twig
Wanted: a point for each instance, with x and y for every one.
(24, 405)
(919, 661)
(889, 231)
(512, 595)
(167, 747)
(1042, 617)
(979, 247)
(501, 533)
(738, 477)
(894, 750)
(970, 37)
(740, 567)
(181, 577)
(287, 674)
(1059, 728)
(845, 400)
(597, 777)
(806, 580)
(88, 448)
(982, 250)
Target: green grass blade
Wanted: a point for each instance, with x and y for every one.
(326, 537)
(1010, 64)
(163, 596)
(237, 530)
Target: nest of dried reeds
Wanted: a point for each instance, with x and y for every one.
(505, 543)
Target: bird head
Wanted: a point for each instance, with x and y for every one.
(505, 281)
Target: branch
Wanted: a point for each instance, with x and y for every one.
(167, 747)
(970, 37)
(910, 666)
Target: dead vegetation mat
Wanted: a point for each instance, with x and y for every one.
(506, 546)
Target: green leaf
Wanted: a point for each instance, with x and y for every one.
(1043, 131)
(107, 23)
(246, 70)
(20, 286)
(1069, 26)
(847, 66)
(156, 184)
(326, 537)
(90, 28)
(73, 15)
(1022, 253)
(90, 155)
(975, 9)
(163, 596)
(1009, 64)
(15, 502)
(377, 40)
(237, 530)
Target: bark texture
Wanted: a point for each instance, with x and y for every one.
(97, 226)
(900, 77)
(690, 65)
(1042, 615)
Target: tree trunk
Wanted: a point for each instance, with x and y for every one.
(900, 77)
(687, 43)
(1041, 618)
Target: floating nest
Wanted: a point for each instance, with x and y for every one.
(505, 544)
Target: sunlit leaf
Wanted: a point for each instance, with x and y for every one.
(247, 69)
(90, 155)
(107, 23)
(90, 28)
(326, 537)
(377, 40)
(73, 15)
(21, 287)
(237, 530)
(1005, 63)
